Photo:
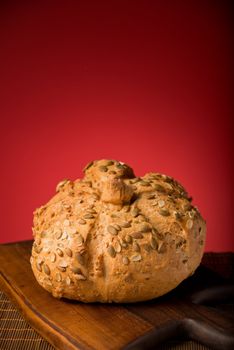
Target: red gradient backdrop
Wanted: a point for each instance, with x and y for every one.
(145, 82)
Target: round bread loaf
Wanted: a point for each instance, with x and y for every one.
(114, 237)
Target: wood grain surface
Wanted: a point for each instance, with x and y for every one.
(73, 325)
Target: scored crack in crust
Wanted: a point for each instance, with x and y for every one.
(114, 237)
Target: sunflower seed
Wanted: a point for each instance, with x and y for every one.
(58, 277)
(125, 260)
(59, 252)
(46, 269)
(89, 216)
(82, 222)
(102, 168)
(53, 257)
(136, 257)
(112, 230)
(164, 212)
(117, 247)
(79, 258)
(111, 251)
(189, 224)
(68, 281)
(161, 203)
(68, 251)
(135, 212)
(136, 247)
(128, 239)
(137, 235)
(153, 243)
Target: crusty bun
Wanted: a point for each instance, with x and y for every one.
(114, 237)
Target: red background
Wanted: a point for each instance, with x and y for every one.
(145, 82)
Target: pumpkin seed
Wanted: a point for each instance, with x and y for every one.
(164, 212)
(80, 240)
(89, 216)
(136, 179)
(161, 203)
(46, 269)
(178, 215)
(82, 222)
(128, 239)
(38, 265)
(117, 227)
(153, 243)
(53, 257)
(66, 222)
(79, 258)
(76, 269)
(58, 277)
(109, 162)
(88, 166)
(137, 235)
(63, 263)
(159, 188)
(147, 247)
(135, 212)
(102, 168)
(62, 269)
(64, 235)
(150, 196)
(112, 230)
(68, 251)
(117, 247)
(111, 251)
(136, 247)
(68, 281)
(136, 257)
(161, 247)
(126, 224)
(59, 252)
(189, 224)
(125, 260)
(80, 277)
(58, 234)
(61, 184)
(145, 183)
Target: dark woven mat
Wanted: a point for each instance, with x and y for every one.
(16, 334)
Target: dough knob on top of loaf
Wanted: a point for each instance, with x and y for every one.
(107, 176)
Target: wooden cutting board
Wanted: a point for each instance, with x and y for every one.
(73, 325)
